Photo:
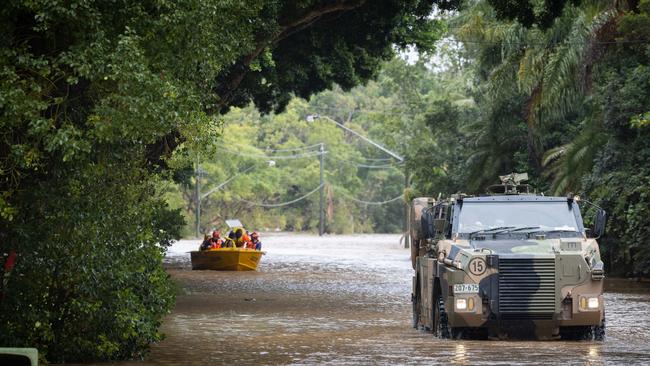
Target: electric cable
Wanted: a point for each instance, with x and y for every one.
(262, 204)
(367, 166)
(385, 166)
(272, 157)
(401, 196)
(379, 159)
(281, 150)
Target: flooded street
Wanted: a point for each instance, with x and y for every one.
(345, 300)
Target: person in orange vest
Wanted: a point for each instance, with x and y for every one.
(216, 242)
(248, 241)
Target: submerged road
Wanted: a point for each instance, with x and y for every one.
(345, 300)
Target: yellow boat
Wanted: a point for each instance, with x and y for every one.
(227, 259)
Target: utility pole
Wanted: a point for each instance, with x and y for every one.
(197, 198)
(406, 227)
(321, 228)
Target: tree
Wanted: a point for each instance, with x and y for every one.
(573, 76)
(96, 97)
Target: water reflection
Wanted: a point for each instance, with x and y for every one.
(593, 357)
(460, 356)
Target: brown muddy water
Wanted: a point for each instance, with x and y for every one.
(345, 300)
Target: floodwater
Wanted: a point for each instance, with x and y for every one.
(345, 300)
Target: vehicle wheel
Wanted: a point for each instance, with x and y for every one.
(575, 333)
(599, 332)
(415, 300)
(415, 248)
(442, 322)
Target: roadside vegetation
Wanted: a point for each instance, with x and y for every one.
(96, 96)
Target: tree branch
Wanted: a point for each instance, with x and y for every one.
(314, 15)
(288, 27)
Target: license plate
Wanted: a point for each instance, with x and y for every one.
(466, 288)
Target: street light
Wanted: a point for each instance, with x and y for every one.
(400, 159)
(199, 197)
(313, 117)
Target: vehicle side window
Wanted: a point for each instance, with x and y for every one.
(441, 219)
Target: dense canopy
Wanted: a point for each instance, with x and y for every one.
(95, 96)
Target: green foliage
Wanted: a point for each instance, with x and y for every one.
(88, 282)
(100, 102)
(571, 80)
(345, 48)
(423, 115)
(619, 178)
(241, 160)
(529, 13)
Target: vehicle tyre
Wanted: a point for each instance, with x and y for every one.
(599, 332)
(415, 248)
(415, 300)
(575, 333)
(441, 320)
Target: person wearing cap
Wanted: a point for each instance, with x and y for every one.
(216, 242)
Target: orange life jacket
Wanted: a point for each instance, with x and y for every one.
(216, 244)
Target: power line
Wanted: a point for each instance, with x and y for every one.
(367, 166)
(271, 157)
(262, 204)
(315, 153)
(283, 149)
(395, 111)
(385, 166)
(401, 196)
(378, 159)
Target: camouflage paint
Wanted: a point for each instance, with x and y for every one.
(540, 285)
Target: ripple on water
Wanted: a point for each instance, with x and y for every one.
(345, 300)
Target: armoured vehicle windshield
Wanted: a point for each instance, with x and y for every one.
(517, 216)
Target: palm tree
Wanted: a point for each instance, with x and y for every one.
(553, 75)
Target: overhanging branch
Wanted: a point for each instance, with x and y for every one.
(288, 27)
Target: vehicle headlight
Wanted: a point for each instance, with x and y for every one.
(461, 304)
(589, 303)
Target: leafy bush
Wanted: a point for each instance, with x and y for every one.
(88, 283)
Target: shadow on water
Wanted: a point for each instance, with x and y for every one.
(345, 300)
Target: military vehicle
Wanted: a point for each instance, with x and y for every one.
(510, 264)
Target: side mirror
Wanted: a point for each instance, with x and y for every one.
(426, 220)
(600, 220)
